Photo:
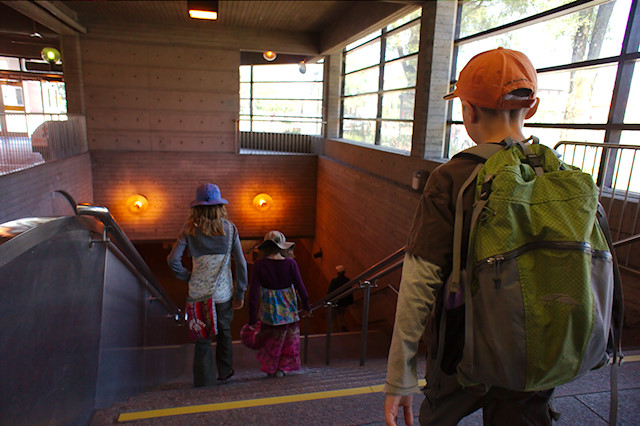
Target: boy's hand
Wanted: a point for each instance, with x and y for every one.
(392, 403)
(237, 304)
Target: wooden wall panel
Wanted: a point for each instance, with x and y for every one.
(29, 192)
(147, 96)
(169, 181)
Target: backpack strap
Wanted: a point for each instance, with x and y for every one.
(616, 321)
(480, 153)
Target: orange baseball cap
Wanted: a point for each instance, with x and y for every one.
(490, 76)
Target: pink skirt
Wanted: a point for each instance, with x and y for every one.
(281, 348)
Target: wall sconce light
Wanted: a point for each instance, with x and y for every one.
(137, 204)
(302, 66)
(269, 55)
(203, 9)
(262, 202)
(51, 55)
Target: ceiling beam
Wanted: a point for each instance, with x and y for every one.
(49, 15)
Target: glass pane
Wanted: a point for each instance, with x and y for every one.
(402, 43)
(245, 73)
(459, 140)
(396, 134)
(400, 73)
(398, 105)
(363, 40)
(9, 64)
(244, 125)
(629, 174)
(245, 90)
(359, 131)
(583, 35)
(632, 113)
(287, 72)
(287, 108)
(284, 126)
(362, 82)
(245, 106)
(287, 91)
(365, 106)
(54, 97)
(480, 15)
(551, 137)
(404, 20)
(12, 95)
(362, 57)
(577, 96)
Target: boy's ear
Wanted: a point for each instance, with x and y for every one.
(533, 109)
(469, 112)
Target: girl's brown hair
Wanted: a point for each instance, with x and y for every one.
(208, 219)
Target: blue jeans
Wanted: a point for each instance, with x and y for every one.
(204, 370)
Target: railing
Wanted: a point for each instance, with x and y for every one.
(29, 139)
(612, 168)
(278, 142)
(364, 281)
(113, 231)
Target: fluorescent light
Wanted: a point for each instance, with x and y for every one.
(203, 14)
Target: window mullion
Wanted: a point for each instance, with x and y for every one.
(383, 46)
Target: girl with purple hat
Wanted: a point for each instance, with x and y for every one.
(275, 287)
(211, 240)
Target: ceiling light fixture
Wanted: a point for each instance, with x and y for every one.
(51, 55)
(203, 9)
(302, 66)
(269, 55)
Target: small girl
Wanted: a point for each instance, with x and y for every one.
(211, 240)
(275, 280)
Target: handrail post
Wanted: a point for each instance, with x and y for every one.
(365, 318)
(305, 348)
(329, 321)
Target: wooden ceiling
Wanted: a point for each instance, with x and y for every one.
(322, 21)
(304, 16)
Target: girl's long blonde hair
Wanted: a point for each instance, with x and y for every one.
(208, 219)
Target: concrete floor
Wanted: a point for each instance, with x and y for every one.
(250, 398)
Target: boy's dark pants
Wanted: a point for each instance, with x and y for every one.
(204, 370)
(446, 403)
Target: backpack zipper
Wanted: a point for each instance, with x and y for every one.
(495, 262)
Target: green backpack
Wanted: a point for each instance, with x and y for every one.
(540, 286)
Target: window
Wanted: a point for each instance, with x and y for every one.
(379, 80)
(584, 53)
(279, 98)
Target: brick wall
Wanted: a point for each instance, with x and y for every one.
(169, 181)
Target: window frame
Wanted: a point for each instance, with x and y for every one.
(625, 61)
(252, 117)
(379, 120)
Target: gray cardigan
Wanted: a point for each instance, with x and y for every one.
(200, 245)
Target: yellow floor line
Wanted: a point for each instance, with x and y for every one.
(205, 408)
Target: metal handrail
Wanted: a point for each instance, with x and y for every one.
(370, 274)
(605, 162)
(364, 281)
(132, 255)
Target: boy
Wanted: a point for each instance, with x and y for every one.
(497, 90)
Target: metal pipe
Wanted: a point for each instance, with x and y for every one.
(365, 321)
(329, 321)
